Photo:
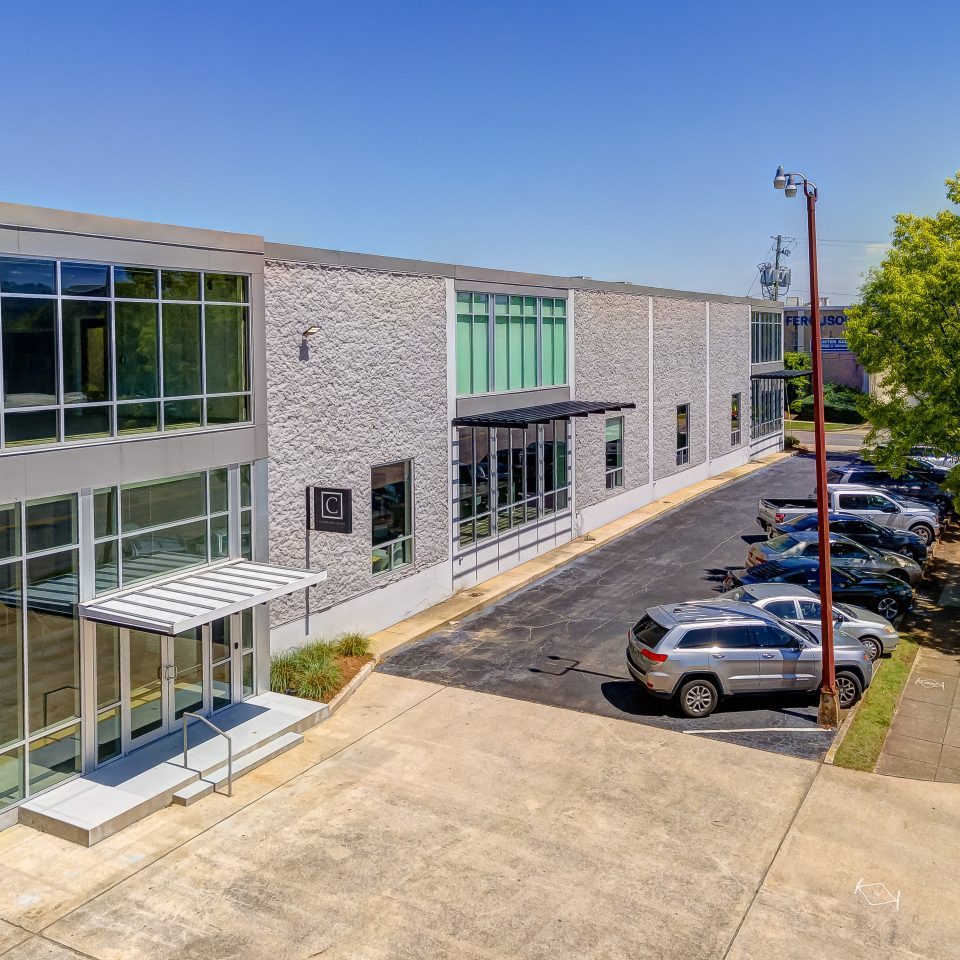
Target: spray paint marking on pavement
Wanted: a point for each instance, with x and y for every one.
(877, 894)
(929, 684)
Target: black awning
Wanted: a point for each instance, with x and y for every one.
(524, 416)
(780, 375)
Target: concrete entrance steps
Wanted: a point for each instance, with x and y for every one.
(90, 808)
(217, 779)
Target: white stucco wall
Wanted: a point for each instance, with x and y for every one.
(729, 374)
(369, 387)
(679, 376)
(612, 347)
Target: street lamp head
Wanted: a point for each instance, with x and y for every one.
(780, 179)
(790, 190)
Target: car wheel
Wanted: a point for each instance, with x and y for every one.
(698, 698)
(888, 607)
(924, 532)
(848, 689)
(873, 647)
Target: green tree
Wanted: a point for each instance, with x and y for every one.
(798, 388)
(906, 330)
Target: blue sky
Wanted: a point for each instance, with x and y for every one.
(626, 141)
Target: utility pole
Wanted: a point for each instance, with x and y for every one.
(776, 269)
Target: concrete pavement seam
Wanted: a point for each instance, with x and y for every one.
(213, 826)
(773, 860)
(46, 939)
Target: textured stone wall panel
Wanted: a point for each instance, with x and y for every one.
(679, 376)
(369, 387)
(611, 334)
(729, 373)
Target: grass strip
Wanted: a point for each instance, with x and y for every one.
(864, 740)
(807, 425)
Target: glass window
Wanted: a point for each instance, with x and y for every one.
(108, 734)
(731, 638)
(134, 283)
(51, 523)
(392, 515)
(614, 452)
(218, 490)
(137, 365)
(181, 350)
(84, 280)
(526, 338)
(735, 419)
(29, 351)
(20, 275)
(12, 786)
(102, 345)
(38, 426)
(108, 664)
(9, 531)
(180, 285)
(85, 353)
(698, 638)
(157, 552)
(246, 495)
(53, 639)
(106, 571)
(766, 340)
(225, 288)
(683, 434)
(809, 609)
(766, 408)
(54, 758)
(160, 502)
(11, 651)
(782, 608)
(226, 345)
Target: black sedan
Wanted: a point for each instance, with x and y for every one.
(886, 595)
(865, 532)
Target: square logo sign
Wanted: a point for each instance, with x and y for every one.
(332, 510)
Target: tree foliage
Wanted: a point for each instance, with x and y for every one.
(797, 387)
(907, 330)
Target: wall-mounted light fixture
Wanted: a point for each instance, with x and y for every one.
(310, 331)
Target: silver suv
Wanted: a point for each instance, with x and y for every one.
(701, 651)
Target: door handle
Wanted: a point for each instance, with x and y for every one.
(719, 656)
(169, 673)
(767, 656)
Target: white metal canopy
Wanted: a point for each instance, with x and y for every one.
(198, 596)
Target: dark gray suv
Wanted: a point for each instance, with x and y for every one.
(701, 651)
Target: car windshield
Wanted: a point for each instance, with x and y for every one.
(847, 611)
(649, 632)
(780, 544)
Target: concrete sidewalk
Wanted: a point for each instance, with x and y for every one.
(466, 602)
(428, 822)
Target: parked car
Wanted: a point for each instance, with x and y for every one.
(844, 553)
(799, 605)
(885, 595)
(700, 652)
(883, 507)
(864, 531)
(908, 485)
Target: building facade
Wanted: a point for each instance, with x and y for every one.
(178, 408)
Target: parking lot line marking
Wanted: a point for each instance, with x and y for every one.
(761, 730)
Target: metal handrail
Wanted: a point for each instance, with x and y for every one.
(187, 716)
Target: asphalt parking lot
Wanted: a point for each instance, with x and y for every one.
(561, 641)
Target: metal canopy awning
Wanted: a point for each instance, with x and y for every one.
(524, 416)
(198, 596)
(780, 374)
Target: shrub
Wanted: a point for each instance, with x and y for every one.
(309, 671)
(283, 671)
(353, 644)
(319, 679)
(840, 404)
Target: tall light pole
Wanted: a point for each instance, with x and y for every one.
(829, 712)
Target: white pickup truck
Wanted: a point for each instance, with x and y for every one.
(880, 506)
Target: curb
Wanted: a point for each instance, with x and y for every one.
(589, 543)
(352, 687)
(842, 733)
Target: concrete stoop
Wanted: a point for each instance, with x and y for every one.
(97, 805)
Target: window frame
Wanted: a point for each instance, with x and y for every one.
(613, 476)
(400, 541)
(766, 336)
(736, 418)
(63, 412)
(766, 408)
(683, 452)
(491, 360)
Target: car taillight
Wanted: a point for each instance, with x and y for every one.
(780, 517)
(653, 656)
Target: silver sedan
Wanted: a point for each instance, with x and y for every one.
(798, 605)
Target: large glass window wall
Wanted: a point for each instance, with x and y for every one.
(510, 342)
(39, 646)
(766, 408)
(510, 477)
(766, 337)
(91, 350)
